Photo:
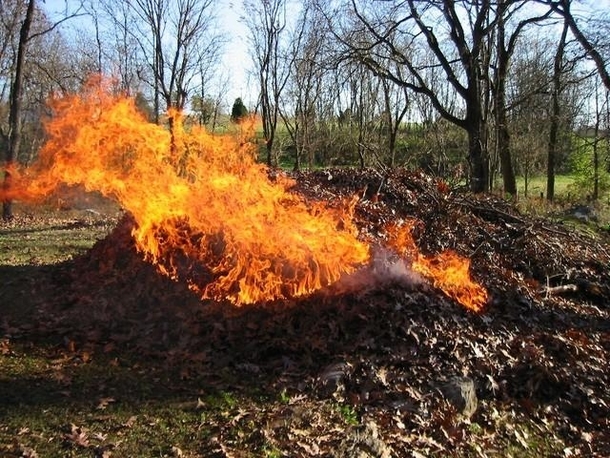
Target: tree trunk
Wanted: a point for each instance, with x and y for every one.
(555, 114)
(477, 152)
(14, 136)
(506, 163)
(550, 166)
(479, 172)
(361, 115)
(502, 133)
(297, 159)
(596, 141)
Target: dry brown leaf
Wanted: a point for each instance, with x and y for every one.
(101, 437)
(27, 452)
(311, 449)
(103, 403)
(130, 421)
(78, 436)
(5, 348)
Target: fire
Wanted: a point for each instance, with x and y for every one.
(206, 212)
(448, 271)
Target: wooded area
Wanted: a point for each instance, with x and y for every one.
(474, 92)
(467, 90)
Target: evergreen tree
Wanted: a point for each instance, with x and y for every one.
(239, 110)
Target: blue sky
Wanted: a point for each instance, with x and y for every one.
(235, 59)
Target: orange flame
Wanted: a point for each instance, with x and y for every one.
(448, 271)
(206, 212)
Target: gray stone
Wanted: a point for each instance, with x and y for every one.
(363, 442)
(461, 393)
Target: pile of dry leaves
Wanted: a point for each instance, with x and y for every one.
(424, 375)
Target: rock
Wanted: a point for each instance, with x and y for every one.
(461, 393)
(583, 213)
(331, 381)
(363, 442)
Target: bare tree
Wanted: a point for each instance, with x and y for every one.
(527, 107)
(467, 40)
(11, 14)
(14, 133)
(505, 48)
(564, 8)
(176, 38)
(304, 85)
(267, 24)
(13, 136)
(364, 105)
(396, 105)
(459, 54)
(557, 87)
(599, 109)
(117, 46)
(328, 108)
(207, 103)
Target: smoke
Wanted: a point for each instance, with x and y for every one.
(384, 269)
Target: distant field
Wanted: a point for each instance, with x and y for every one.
(537, 184)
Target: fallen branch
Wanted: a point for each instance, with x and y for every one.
(582, 286)
(488, 211)
(561, 289)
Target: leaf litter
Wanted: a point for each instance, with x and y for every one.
(376, 346)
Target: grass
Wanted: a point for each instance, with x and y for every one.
(60, 399)
(59, 405)
(348, 413)
(49, 236)
(43, 245)
(566, 197)
(65, 397)
(537, 185)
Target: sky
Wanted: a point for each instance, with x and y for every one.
(235, 59)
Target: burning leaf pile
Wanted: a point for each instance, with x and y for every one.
(363, 311)
(206, 213)
(385, 344)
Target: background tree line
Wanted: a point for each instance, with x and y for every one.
(476, 91)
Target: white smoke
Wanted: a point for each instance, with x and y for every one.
(384, 269)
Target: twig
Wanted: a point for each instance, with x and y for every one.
(554, 231)
(561, 289)
(500, 213)
(580, 285)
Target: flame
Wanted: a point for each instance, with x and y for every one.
(206, 212)
(447, 271)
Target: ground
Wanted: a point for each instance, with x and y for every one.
(102, 356)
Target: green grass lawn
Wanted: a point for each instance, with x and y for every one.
(566, 197)
(537, 185)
